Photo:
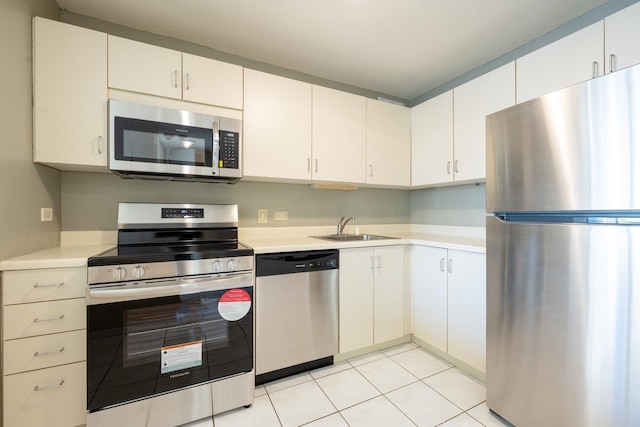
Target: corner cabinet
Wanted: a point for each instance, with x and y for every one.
(154, 70)
(371, 308)
(69, 96)
(449, 303)
(44, 347)
(388, 144)
(277, 127)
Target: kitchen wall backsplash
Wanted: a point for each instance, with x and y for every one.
(90, 201)
(456, 205)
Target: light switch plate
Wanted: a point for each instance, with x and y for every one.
(46, 214)
(263, 216)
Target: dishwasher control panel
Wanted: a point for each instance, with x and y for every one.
(296, 262)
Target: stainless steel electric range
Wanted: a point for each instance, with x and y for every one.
(170, 318)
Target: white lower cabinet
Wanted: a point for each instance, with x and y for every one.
(44, 347)
(449, 302)
(371, 305)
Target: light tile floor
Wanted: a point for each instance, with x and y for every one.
(399, 386)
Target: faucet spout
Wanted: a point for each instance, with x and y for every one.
(343, 223)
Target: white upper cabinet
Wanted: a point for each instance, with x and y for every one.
(144, 68)
(622, 32)
(154, 70)
(339, 136)
(70, 96)
(388, 144)
(212, 82)
(472, 102)
(568, 61)
(277, 127)
(432, 141)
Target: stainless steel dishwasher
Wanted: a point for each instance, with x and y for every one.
(296, 309)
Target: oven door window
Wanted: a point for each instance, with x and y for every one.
(145, 347)
(154, 142)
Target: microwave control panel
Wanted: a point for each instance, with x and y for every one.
(229, 150)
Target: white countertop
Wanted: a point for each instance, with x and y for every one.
(78, 246)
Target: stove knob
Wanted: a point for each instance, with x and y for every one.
(216, 265)
(137, 272)
(119, 273)
(232, 264)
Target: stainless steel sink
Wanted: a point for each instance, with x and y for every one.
(352, 237)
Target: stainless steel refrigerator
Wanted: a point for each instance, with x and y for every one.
(563, 256)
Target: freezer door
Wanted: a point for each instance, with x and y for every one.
(574, 149)
(563, 324)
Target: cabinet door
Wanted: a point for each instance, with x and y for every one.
(388, 293)
(467, 308)
(54, 397)
(473, 101)
(339, 136)
(144, 68)
(277, 127)
(70, 96)
(622, 32)
(356, 299)
(388, 144)
(432, 141)
(211, 82)
(430, 295)
(563, 63)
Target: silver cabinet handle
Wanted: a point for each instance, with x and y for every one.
(442, 264)
(175, 78)
(371, 263)
(308, 164)
(612, 63)
(48, 353)
(186, 84)
(50, 285)
(595, 69)
(455, 166)
(379, 262)
(450, 265)
(316, 165)
(48, 387)
(371, 170)
(48, 319)
(100, 144)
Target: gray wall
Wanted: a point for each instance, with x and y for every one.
(24, 186)
(90, 201)
(457, 205)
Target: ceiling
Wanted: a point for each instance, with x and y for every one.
(400, 48)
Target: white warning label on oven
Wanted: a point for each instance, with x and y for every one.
(234, 304)
(181, 356)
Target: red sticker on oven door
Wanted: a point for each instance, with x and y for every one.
(234, 304)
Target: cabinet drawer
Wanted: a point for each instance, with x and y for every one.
(28, 354)
(41, 318)
(24, 286)
(53, 397)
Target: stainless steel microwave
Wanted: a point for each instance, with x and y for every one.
(160, 143)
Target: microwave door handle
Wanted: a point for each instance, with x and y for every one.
(216, 149)
(181, 287)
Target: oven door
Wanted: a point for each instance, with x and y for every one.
(150, 338)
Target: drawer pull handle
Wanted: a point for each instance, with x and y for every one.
(51, 285)
(48, 319)
(48, 353)
(48, 387)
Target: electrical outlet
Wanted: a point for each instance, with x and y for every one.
(281, 215)
(263, 216)
(46, 214)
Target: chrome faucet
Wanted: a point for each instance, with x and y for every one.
(343, 222)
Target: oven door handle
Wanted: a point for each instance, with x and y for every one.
(182, 286)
